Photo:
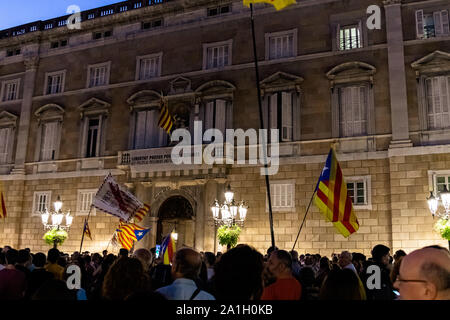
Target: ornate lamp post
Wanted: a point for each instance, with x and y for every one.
(53, 220)
(227, 212)
(443, 198)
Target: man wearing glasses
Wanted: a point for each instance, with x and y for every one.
(425, 275)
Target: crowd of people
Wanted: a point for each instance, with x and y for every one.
(242, 273)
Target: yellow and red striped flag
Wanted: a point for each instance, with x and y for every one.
(165, 120)
(2, 202)
(141, 213)
(278, 4)
(128, 233)
(86, 230)
(332, 199)
(168, 249)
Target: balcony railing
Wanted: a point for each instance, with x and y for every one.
(85, 15)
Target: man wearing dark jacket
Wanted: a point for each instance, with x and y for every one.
(38, 276)
(380, 258)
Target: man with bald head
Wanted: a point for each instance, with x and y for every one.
(185, 269)
(145, 257)
(425, 275)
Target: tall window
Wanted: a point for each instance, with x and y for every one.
(216, 113)
(149, 67)
(282, 195)
(438, 101)
(430, 25)
(41, 202)
(350, 37)
(352, 111)
(99, 75)
(84, 201)
(10, 90)
(281, 46)
(49, 140)
(148, 134)
(55, 83)
(281, 114)
(5, 141)
(92, 138)
(217, 55)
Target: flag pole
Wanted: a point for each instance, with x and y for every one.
(304, 219)
(84, 228)
(264, 143)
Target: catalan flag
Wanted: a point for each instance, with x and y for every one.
(278, 4)
(86, 229)
(141, 213)
(165, 120)
(168, 249)
(128, 233)
(332, 199)
(2, 202)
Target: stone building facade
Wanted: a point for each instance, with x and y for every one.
(77, 104)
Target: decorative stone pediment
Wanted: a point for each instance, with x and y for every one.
(354, 71)
(49, 112)
(281, 81)
(7, 119)
(144, 98)
(180, 85)
(436, 62)
(216, 88)
(94, 106)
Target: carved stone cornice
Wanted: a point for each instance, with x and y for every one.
(392, 2)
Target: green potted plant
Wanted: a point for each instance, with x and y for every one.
(228, 235)
(443, 227)
(55, 237)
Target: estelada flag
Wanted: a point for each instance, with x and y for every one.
(278, 4)
(128, 233)
(168, 249)
(86, 230)
(332, 199)
(115, 200)
(2, 202)
(165, 119)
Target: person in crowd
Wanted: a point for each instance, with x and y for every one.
(12, 281)
(302, 260)
(307, 280)
(24, 262)
(398, 255)
(286, 287)
(104, 253)
(210, 260)
(54, 290)
(125, 276)
(185, 271)
(39, 275)
(324, 270)
(341, 285)
(52, 265)
(358, 260)
(95, 291)
(380, 258)
(2, 260)
(295, 263)
(161, 274)
(425, 275)
(345, 262)
(238, 274)
(123, 253)
(145, 257)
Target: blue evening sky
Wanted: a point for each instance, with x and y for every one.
(16, 12)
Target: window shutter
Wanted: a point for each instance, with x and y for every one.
(445, 22)
(444, 101)
(46, 146)
(273, 114)
(430, 103)
(286, 115)
(265, 111)
(296, 116)
(139, 137)
(419, 24)
(152, 138)
(53, 139)
(4, 144)
(359, 35)
(338, 37)
(191, 122)
(437, 23)
(272, 48)
(229, 116)
(220, 115)
(209, 115)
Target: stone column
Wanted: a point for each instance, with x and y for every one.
(200, 220)
(31, 65)
(397, 76)
(142, 190)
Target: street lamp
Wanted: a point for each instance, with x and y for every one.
(227, 212)
(433, 204)
(54, 219)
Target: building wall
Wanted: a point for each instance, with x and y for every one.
(399, 216)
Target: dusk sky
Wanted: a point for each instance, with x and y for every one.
(14, 13)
